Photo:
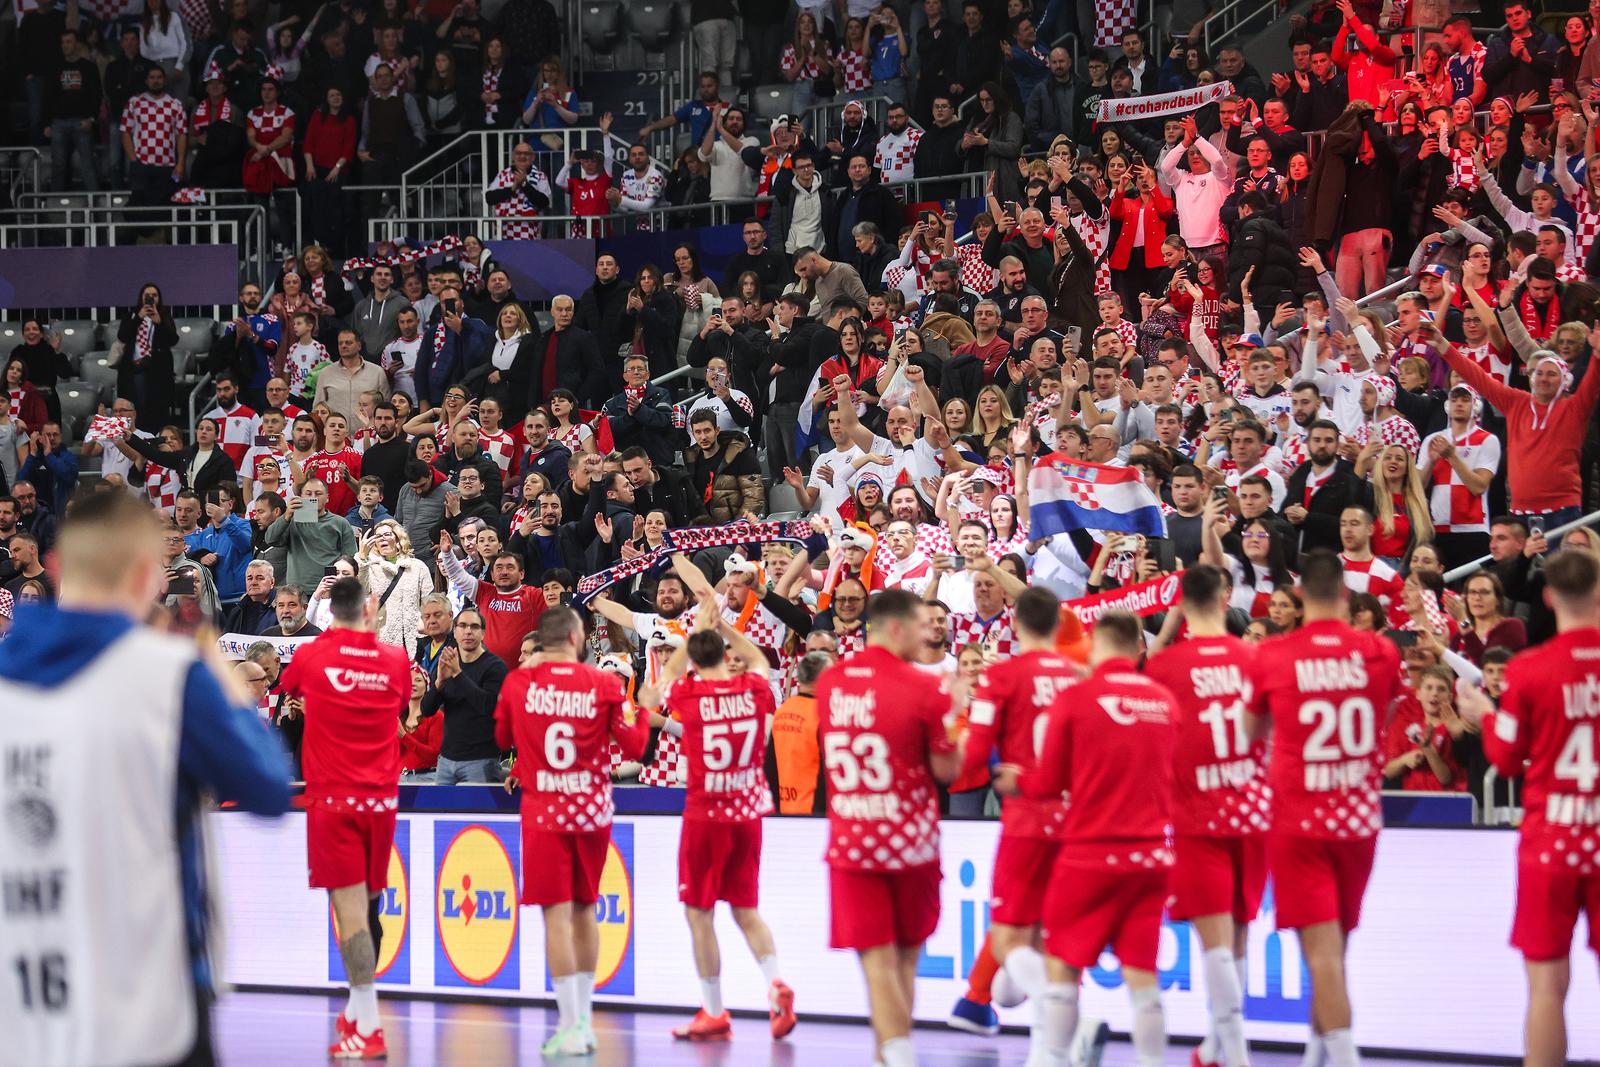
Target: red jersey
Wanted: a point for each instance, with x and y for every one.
(1408, 729)
(356, 689)
(725, 743)
(1220, 785)
(1097, 731)
(883, 805)
(326, 466)
(1547, 719)
(1328, 689)
(508, 618)
(1009, 711)
(561, 718)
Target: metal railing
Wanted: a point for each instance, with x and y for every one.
(21, 171)
(1227, 20)
(242, 225)
(1467, 570)
(1492, 814)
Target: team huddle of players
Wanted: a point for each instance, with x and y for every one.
(1133, 786)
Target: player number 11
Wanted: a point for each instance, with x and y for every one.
(1218, 715)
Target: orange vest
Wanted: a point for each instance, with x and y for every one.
(798, 754)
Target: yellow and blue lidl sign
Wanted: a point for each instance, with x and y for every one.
(475, 905)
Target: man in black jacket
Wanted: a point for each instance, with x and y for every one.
(769, 264)
(601, 311)
(868, 253)
(742, 343)
(1260, 244)
(662, 486)
(788, 366)
(465, 451)
(386, 453)
(466, 685)
(568, 357)
(256, 611)
(641, 414)
(1321, 488)
(939, 150)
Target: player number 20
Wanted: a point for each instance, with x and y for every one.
(559, 750)
(859, 761)
(1351, 719)
(44, 981)
(719, 738)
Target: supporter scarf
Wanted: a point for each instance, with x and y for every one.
(693, 539)
(491, 84)
(319, 289)
(1537, 329)
(144, 340)
(204, 117)
(438, 337)
(401, 256)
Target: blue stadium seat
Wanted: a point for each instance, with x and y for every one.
(654, 23)
(770, 101)
(602, 25)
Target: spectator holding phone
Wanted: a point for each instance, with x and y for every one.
(314, 537)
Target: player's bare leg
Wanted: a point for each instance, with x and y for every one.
(711, 1023)
(1323, 946)
(1224, 1042)
(571, 947)
(889, 1002)
(361, 1037)
(1545, 1036)
(780, 998)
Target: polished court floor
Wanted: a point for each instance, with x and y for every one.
(273, 1028)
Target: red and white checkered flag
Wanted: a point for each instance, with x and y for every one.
(190, 194)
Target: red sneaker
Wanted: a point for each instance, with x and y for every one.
(781, 999)
(358, 1046)
(705, 1027)
(342, 1026)
(1196, 1061)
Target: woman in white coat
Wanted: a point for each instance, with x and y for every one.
(385, 559)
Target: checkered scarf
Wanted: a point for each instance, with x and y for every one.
(144, 339)
(692, 539)
(405, 255)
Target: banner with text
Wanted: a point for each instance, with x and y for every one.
(1131, 108)
(1145, 598)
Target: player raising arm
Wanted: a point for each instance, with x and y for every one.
(722, 718)
(1327, 689)
(356, 690)
(560, 715)
(1109, 884)
(1546, 724)
(885, 745)
(1220, 803)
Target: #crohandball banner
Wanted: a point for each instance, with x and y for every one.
(1144, 599)
(1132, 108)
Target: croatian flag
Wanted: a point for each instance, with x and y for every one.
(805, 431)
(1072, 494)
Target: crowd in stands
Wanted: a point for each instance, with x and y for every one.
(1178, 295)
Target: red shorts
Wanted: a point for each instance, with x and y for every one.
(1022, 867)
(345, 848)
(1319, 880)
(1089, 908)
(871, 909)
(1548, 904)
(719, 861)
(561, 868)
(1219, 876)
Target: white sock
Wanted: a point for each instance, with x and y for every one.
(769, 968)
(1025, 967)
(1149, 1026)
(898, 1052)
(364, 999)
(350, 1005)
(1241, 965)
(1341, 1046)
(1315, 1054)
(711, 995)
(1055, 1020)
(585, 994)
(1226, 1001)
(566, 1000)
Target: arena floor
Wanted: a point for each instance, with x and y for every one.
(273, 1028)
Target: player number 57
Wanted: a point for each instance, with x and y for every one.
(719, 744)
(859, 761)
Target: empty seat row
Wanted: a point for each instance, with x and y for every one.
(653, 23)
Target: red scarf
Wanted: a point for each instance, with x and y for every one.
(144, 340)
(319, 289)
(438, 337)
(1539, 331)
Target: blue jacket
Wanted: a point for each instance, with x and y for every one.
(55, 476)
(361, 525)
(439, 369)
(223, 748)
(231, 543)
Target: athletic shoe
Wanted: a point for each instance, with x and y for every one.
(357, 1046)
(705, 1027)
(1089, 1044)
(343, 1026)
(781, 1008)
(586, 1024)
(568, 1041)
(1196, 1061)
(974, 1018)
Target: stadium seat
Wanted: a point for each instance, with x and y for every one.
(79, 403)
(544, 321)
(100, 376)
(770, 101)
(782, 497)
(78, 336)
(743, 68)
(107, 334)
(10, 337)
(602, 25)
(184, 363)
(75, 361)
(653, 23)
(194, 335)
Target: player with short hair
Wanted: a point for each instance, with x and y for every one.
(1545, 731)
(722, 718)
(885, 746)
(1327, 689)
(356, 689)
(1008, 707)
(1221, 802)
(560, 715)
(1109, 883)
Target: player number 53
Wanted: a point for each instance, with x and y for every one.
(859, 761)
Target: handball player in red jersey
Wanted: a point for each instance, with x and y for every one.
(1008, 713)
(1328, 690)
(356, 690)
(1545, 731)
(1109, 884)
(885, 745)
(561, 715)
(722, 718)
(1220, 806)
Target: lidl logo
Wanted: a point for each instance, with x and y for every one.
(394, 913)
(1278, 988)
(613, 911)
(475, 905)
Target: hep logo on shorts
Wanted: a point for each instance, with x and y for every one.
(475, 905)
(394, 912)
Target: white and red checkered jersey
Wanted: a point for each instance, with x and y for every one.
(1586, 221)
(1568, 271)
(298, 363)
(809, 69)
(1260, 470)
(269, 123)
(1266, 409)
(153, 123)
(1493, 361)
(161, 486)
(642, 190)
(997, 635)
(1455, 508)
(724, 737)
(292, 411)
(856, 70)
(881, 720)
(239, 429)
(500, 446)
(1463, 175)
(897, 155)
(254, 455)
(1096, 233)
(1112, 19)
(975, 273)
(669, 769)
(1292, 444)
(1372, 576)
(520, 206)
(1395, 430)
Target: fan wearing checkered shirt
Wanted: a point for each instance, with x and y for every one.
(155, 139)
(1364, 572)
